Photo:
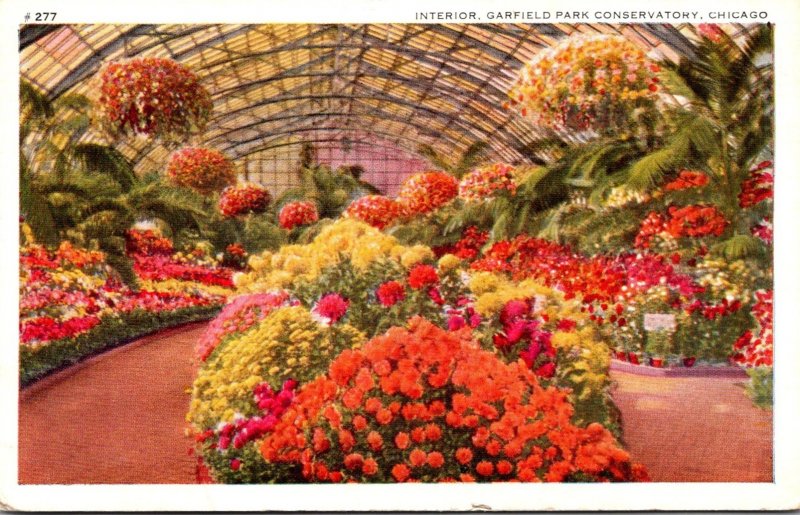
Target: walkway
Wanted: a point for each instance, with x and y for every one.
(115, 418)
(701, 429)
(119, 418)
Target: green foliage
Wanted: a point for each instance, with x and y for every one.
(473, 156)
(759, 389)
(659, 343)
(36, 363)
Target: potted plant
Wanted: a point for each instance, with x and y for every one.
(659, 345)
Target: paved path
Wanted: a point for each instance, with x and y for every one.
(694, 429)
(119, 418)
(115, 418)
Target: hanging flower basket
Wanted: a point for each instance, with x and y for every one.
(586, 82)
(294, 214)
(243, 199)
(201, 169)
(154, 97)
(424, 192)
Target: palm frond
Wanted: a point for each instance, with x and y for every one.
(437, 160)
(739, 246)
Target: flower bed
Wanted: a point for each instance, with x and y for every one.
(72, 305)
(353, 282)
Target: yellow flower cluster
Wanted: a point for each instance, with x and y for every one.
(448, 262)
(346, 237)
(493, 291)
(728, 279)
(288, 343)
(586, 373)
(176, 285)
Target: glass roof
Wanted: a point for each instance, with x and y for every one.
(406, 84)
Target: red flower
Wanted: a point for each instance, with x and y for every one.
(294, 214)
(236, 464)
(401, 472)
(390, 293)
(421, 276)
(331, 307)
(687, 179)
(423, 192)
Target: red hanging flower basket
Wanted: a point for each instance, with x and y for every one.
(244, 199)
(154, 97)
(201, 169)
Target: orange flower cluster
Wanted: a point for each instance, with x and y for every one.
(201, 169)
(78, 257)
(695, 221)
(423, 192)
(376, 210)
(687, 179)
(425, 404)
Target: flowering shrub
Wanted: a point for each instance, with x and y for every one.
(295, 214)
(153, 96)
(424, 404)
(687, 179)
(468, 247)
(652, 225)
(201, 169)
(376, 210)
(243, 199)
(147, 242)
(585, 81)
(486, 182)
(345, 238)
(754, 348)
(287, 343)
(239, 315)
(423, 192)
(695, 221)
(758, 187)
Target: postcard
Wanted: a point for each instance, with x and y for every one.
(451, 256)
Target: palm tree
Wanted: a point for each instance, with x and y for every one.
(88, 192)
(473, 156)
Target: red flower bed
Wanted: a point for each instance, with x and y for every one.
(424, 404)
(201, 169)
(695, 221)
(153, 96)
(468, 247)
(423, 192)
(295, 214)
(243, 199)
(160, 268)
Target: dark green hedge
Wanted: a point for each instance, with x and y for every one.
(111, 332)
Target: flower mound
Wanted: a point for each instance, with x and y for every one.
(147, 243)
(295, 214)
(424, 404)
(487, 182)
(376, 210)
(584, 81)
(153, 96)
(201, 169)
(423, 192)
(243, 199)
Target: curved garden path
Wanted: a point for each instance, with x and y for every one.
(694, 428)
(119, 418)
(115, 418)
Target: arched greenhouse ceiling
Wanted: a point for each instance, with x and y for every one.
(442, 85)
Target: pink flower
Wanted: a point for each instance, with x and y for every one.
(331, 307)
(513, 310)
(236, 464)
(455, 322)
(546, 371)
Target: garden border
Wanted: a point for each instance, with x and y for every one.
(697, 371)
